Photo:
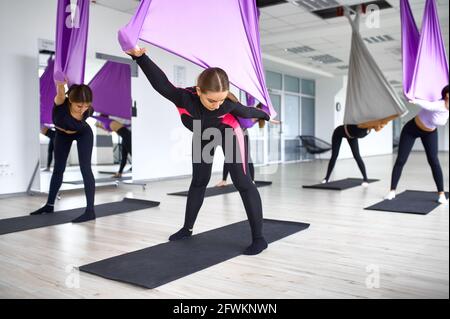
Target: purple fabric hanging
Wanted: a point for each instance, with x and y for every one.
(47, 91)
(111, 88)
(104, 121)
(188, 29)
(425, 63)
(248, 123)
(250, 100)
(410, 44)
(71, 41)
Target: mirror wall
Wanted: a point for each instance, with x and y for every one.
(112, 134)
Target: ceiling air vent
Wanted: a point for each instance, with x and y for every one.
(343, 67)
(313, 5)
(301, 49)
(379, 39)
(326, 59)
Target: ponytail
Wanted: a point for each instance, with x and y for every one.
(232, 97)
(261, 122)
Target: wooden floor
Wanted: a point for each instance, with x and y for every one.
(344, 249)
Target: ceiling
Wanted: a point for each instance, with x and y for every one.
(285, 26)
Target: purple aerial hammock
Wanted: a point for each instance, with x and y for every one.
(425, 63)
(239, 53)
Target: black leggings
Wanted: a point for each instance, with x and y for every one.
(248, 158)
(51, 135)
(338, 135)
(201, 174)
(63, 143)
(410, 133)
(125, 134)
(251, 168)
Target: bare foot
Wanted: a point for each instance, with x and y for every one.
(222, 184)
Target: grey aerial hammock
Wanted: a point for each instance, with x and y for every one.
(371, 101)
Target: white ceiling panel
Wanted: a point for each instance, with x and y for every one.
(286, 25)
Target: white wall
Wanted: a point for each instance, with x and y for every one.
(19, 86)
(331, 91)
(328, 93)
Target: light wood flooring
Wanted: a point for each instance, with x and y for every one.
(345, 247)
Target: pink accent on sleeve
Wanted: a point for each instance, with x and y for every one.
(183, 111)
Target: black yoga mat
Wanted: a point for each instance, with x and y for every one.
(112, 172)
(341, 184)
(410, 202)
(213, 191)
(12, 225)
(100, 180)
(157, 265)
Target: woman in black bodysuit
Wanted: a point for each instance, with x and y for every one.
(125, 134)
(208, 109)
(352, 133)
(69, 116)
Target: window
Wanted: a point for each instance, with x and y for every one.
(309, 87)
(292, 118)
(274, 80)
(308, 116)
(291, 84)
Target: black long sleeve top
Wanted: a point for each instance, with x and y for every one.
(63, 119)
(188, 100)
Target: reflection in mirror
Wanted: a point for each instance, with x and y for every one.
(111, 122)
(47, 92)
(111, 86)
